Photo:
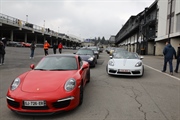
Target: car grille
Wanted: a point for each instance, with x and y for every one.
(61, 104)
(123, 73)
(13, 103)
(35, 107)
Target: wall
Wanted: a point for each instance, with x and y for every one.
(162, 18)
(150, 48)
(159, 47)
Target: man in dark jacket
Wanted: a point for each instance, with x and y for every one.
(4, 40)
(178, 59)
(32, 48)
(2, 53)
(168, 52)
(55, 46)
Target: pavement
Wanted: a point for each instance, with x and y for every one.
(157, 62)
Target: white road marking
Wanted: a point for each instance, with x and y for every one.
(163, 72)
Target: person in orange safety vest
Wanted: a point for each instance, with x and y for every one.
(60, 46)
(46, 47)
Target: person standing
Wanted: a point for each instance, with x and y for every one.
(46, 47)
(4, 40)
(2, 53)
(178, 59)
(60, 46)
(32, 48)
(54, 47)
(168, 52)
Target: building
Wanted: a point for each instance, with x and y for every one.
(112, 40)
(148, 31)
(18, 30)
(139, 32)
(168, 24)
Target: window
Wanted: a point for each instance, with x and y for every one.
(170, 16)
(178, 23)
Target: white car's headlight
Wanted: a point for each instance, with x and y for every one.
(138, 64)
(15, 84)
(111, 63)
(70, 84)
(91, 59)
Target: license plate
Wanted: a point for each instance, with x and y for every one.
(123, 70)
(34, 103)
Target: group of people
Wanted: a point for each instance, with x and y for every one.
(55, 47)
(46, 47)
(169, 52)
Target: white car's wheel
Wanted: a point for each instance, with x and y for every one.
(142, 72)
(107, 70)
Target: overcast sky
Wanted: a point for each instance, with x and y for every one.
(82, 18)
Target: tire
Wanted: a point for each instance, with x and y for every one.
(81, 95)
(142, 72)
(107, 69)
(94, 64)
(88, 76)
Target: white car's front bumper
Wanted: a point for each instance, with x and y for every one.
(126, 72)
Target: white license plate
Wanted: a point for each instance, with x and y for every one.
(34, 103)
(123, 70)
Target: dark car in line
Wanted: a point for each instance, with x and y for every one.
(87, 55)
(96, 51)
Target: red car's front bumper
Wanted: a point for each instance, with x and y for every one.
(54, 102)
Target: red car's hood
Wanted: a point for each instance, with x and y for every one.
(45, 81)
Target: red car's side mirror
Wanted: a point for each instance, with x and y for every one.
(32, 66)
(86, 66)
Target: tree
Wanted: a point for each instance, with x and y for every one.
(103, 40)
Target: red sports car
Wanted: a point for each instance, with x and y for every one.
(55, 84)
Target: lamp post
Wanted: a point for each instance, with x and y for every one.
(44, 24)
(26, 18)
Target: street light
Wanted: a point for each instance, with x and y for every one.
(44, 24)
(26, 18)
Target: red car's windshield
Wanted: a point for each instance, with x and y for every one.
(57, 63)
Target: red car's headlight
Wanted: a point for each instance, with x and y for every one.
(15, 84)
(70, 84)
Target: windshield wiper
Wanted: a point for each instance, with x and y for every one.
(41, 69)
(57, 69)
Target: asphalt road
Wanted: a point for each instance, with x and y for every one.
(155, 96)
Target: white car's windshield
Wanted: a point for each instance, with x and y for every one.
(126, 55)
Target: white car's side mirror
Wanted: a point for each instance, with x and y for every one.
(141, 57)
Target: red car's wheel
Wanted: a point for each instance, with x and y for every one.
(88, 76)
(81, 94)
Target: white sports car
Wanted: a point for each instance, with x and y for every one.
(125, 63)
